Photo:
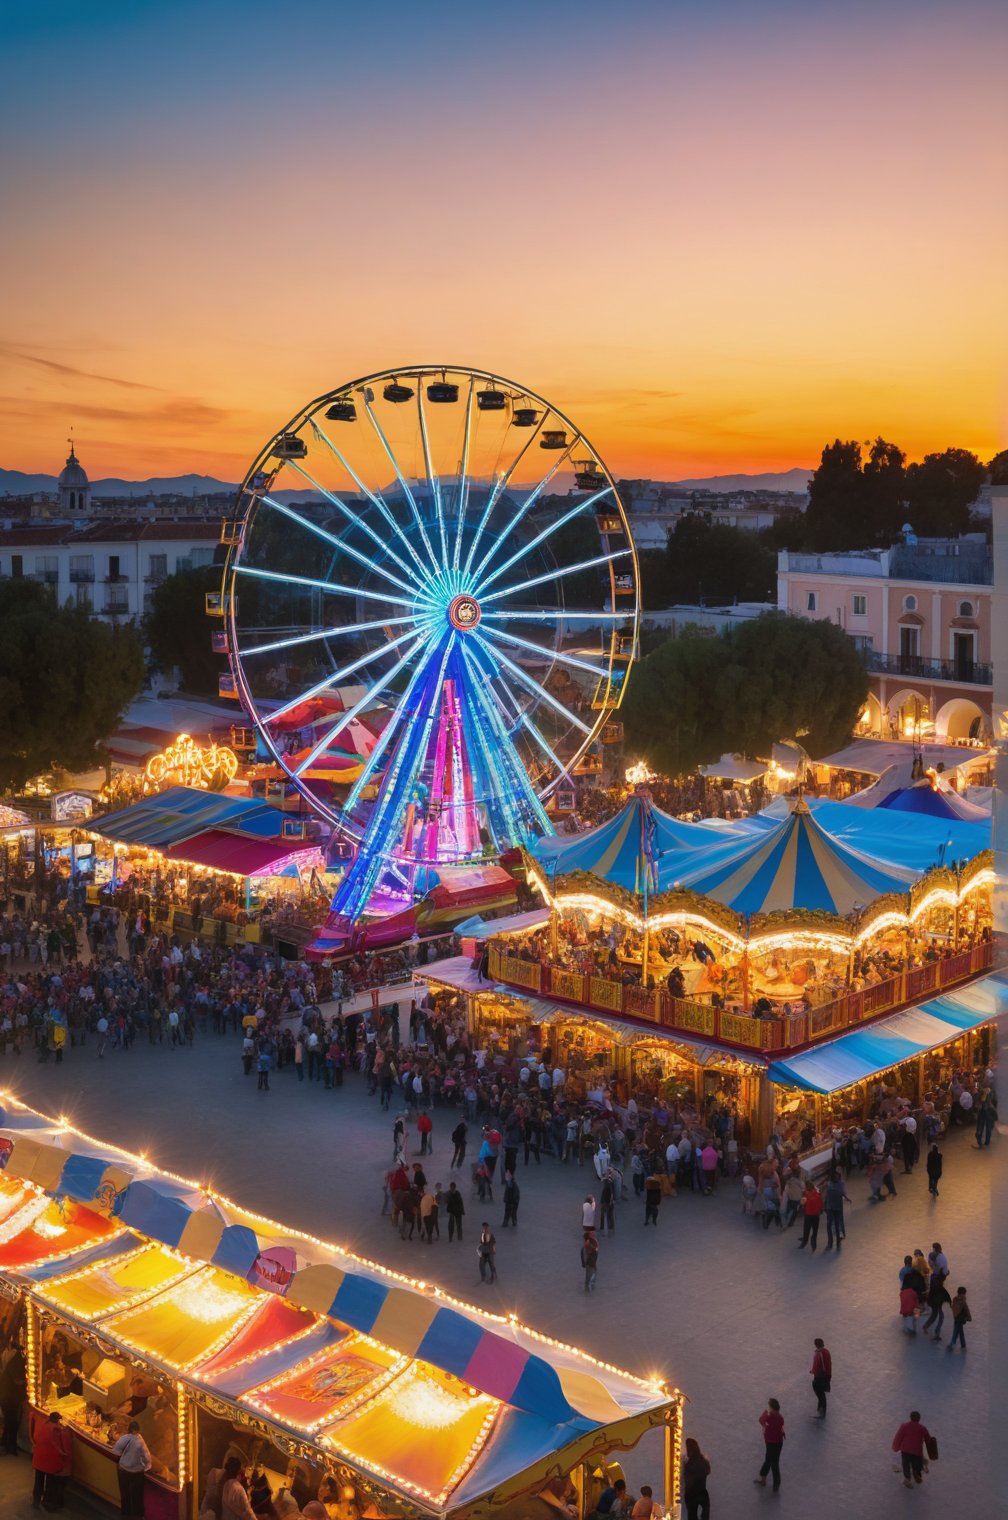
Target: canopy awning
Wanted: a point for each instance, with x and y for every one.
(797, 865)
(864, 1053)
(169, 817)
(230, 852)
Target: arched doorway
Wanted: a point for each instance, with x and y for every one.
(961, 719)
(909, 715)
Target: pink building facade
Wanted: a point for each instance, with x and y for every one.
(920, 614)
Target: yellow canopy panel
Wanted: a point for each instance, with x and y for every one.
(117, 1283)
(423, 1431)
(190, 1321)
(320, 1389)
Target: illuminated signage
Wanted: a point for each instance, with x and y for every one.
(186, 763)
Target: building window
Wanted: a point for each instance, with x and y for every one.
(82, 567)
(965, 609)
(47, 569)
(812, 602)
(201, 558)
(860, 606)
(909, 604)
(84, 597)
(158, 567)
(16, 567)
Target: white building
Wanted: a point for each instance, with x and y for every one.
(111, 568)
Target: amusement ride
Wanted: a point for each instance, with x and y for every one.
(430, 602)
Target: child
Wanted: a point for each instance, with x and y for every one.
(962, 1316)
(748, 1193)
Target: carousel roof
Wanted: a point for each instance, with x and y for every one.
(797, 865)
(615, 850)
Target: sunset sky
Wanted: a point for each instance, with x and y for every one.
(716, 234)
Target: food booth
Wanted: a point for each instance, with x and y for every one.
(142, 1296)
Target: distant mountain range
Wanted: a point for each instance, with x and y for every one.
(18, 483)
(795, 479)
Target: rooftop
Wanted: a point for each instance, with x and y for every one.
(118, 531)
(954, 561)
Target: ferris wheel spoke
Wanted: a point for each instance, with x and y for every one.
(558, 575)
(551, 528)
(463, 480)
(354, 518)
(338, 543)
(546, 748)
(358, 707)
(499, 658)
(329, 586)
(432, 479)
(376, 500)
(384, 739)
(410, 498)
(500, 485)
(341, 675)
(337, 630)
(549, 655)
(502, 754)
(525, 507)
(554, 615)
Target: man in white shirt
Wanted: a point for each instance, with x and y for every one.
(559, 1077)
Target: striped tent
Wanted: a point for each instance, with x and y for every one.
(615, 851)
(797, 865)
(498, 1358)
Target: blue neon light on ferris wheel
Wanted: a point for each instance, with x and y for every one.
(385, 568)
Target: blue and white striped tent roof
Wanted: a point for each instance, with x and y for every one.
(796, 865)
(613, 851)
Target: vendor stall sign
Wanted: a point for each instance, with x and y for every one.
(66, 806)
(186, 763)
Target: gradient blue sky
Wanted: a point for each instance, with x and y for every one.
(716, 235)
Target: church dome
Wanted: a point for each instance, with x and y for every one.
(72, 477)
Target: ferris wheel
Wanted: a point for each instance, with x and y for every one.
(431, 607)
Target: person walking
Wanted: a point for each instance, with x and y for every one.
(458, 1137)
(51, 1456)
(487, 1250)
(134, 1460)
(962, 1316)
(812, 1204)
(772, 1422)
(512, 1198)
(986, 1118)
(822, 1375)
(937, 1298)
(589, 1260)
(652, 1198)
(695, 1472)
(262, 1067)
(834, 1195)
(933, 1165)
(911, 1441)
(454, 1208)
(425, 1129)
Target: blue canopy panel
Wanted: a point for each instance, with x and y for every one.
(916, 840)
(614, 851)
(797, 865)
(865, 1052)
(169, 817)
(920, 799)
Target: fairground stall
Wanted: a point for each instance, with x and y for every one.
(138, 1295)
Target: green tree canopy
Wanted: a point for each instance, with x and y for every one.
(65, 680)
(777, 677)
(178, 630)
(709, 562)
(855, 503)
(940, 491)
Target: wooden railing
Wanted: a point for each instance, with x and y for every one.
(788, 1032)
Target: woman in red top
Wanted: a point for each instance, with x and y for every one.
(773, 1437)
(911, 1441)
(51, 1452)
(812, 1210)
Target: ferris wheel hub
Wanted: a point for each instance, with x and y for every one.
(464, 612)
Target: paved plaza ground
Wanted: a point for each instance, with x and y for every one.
(723, 1310)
